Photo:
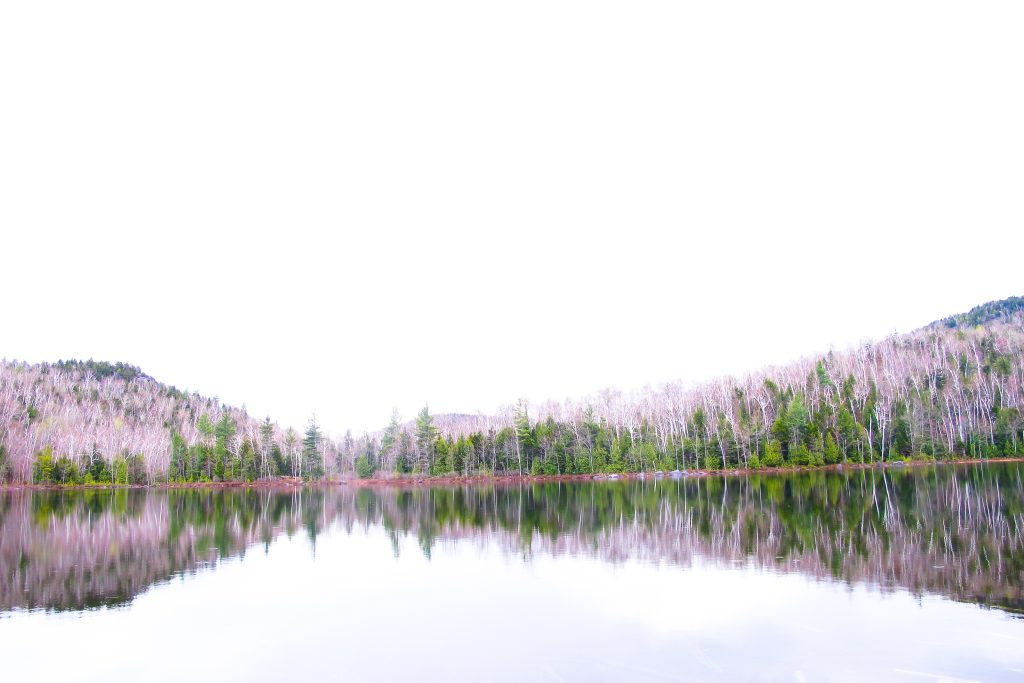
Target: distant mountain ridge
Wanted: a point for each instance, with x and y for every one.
(1001, 310)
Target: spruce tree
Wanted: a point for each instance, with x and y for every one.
(222, 457)
(312, 460)
(425, 433)
(389, 441)
(266, 446)
(831, 450)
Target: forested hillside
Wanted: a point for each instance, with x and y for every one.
(953, 389)
(950, 390)
(1003, 310)
(97, 422)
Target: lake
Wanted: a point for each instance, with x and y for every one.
(909, 574)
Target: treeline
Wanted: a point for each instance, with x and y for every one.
(1002, 310)
(219, 455)
(937, 393)
(102, 369)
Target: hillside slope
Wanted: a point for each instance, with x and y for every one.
(86, 421)
(951, 389)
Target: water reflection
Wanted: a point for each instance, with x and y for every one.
(953, 531)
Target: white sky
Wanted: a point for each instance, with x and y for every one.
(348, 206)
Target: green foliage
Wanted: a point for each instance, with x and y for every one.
(65, 471)
(101, 369)
(5, 465)
(404, 457)
(42, 467)
(61, 470)
(364, 468)
(868, 417)
(772, 454)
(642, 456)
(312, 460)
(291, 440)
(987, 312)
(831, 451)
(281, 466)
(902, 445)
(128, 469)
(699, 421)
(425, 435)
(823, 379)
(780, 427)
(526, 442)
(97, 470)
(537, 467)
(846, 425)
(223, 432)
(442, 464)
(390, 440)
(179, 466)
(246, 468)
(269, 450)
(796, 422)
(204, 426)
(800, 455)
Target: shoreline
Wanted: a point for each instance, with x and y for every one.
(294, 483)
(685, 474)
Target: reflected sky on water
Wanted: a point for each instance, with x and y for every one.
(867, 575)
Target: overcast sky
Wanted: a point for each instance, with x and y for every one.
(343, 207)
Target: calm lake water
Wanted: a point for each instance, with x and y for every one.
(896, 575)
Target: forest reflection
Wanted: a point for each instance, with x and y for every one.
(952, 531)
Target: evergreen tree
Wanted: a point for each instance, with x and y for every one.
(97, 469)
(179, 458)
(847, 426)
(524, 435)
(205, 427)
(282, 467)
(204, 459)
(364, 470)
(267, 446)
(247, 460)
(312, 460)
(403, 461)
(796, 422)
(772, 454)
(389, 440)
(222, 457)
(902, 444)
(425, 435)
(831, 451)
(442, 453)
(370, 451)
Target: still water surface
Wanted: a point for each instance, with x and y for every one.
(901, 575)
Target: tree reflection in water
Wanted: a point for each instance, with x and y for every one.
(952, 531)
